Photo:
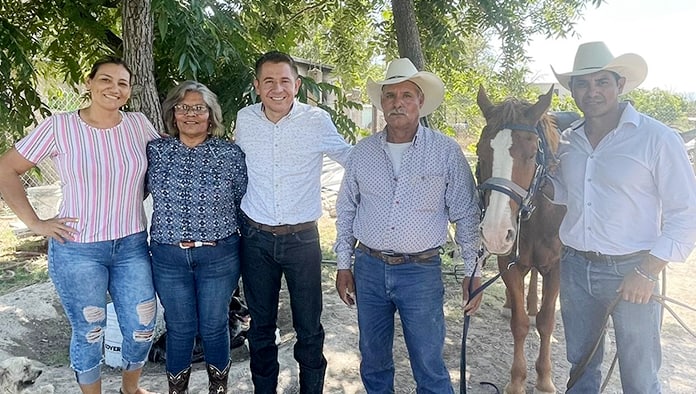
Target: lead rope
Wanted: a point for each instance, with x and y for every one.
(662, 299)
(472, 294)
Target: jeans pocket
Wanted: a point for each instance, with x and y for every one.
(248, 231)
(565, 252)
(310, 236)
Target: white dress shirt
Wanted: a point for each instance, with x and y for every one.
(635, 191)
(284, 162)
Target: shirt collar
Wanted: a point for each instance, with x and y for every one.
(629, 116)
(290, 114)
(419, 135)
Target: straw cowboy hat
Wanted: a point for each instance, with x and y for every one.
(400, 70)
(595, 56)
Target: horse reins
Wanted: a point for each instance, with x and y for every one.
(525, 201)
(661, 299)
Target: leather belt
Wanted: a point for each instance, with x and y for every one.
(392, 258)
(283, 229)
(195, 244)
(597, 257)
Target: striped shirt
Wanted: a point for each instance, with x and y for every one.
(102, 171)
(284, 162)
(408, 213)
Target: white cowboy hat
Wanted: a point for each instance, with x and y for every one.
(400, 70)
(595, 56)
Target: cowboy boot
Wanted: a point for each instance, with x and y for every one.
(178, 384)
(217, 380)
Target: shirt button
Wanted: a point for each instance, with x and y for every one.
(589, 204)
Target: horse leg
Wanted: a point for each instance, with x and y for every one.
(519, 325)
(545, 323)
(506, 311)
(532, 296)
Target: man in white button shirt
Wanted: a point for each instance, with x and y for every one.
(284, 142)
(630, 195)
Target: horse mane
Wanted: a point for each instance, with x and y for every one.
(512, 110)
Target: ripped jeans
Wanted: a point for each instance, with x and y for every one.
(82, 273)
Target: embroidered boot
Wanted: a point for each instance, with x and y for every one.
(217, 380)
(178, 384)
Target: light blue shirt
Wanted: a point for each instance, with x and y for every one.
(408, 213)
(635, 191)
(284, 162)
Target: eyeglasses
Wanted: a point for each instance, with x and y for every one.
(183, 109)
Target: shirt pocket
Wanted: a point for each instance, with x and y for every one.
(429, 192)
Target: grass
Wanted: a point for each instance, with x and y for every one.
(22, 260)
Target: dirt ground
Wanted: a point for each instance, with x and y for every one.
(32, 324)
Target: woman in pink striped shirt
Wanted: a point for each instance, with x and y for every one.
(97, 243)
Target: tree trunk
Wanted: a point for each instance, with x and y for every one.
(138, 26)
(407, 36)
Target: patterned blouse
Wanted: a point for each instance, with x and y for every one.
(196, 191)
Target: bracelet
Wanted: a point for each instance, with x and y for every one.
(644, 274)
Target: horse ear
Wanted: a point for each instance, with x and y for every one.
(537, 110)
(484, 102)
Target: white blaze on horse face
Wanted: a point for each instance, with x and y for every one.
(498, 226)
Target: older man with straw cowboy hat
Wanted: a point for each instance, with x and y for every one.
(630, 195)
(400, 189)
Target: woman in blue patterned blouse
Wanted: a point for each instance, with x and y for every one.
(197, 180)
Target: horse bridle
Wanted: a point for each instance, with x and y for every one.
(523, 198)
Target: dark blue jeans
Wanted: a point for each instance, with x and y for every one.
(416, 291)
(265, 259)
(195, 287)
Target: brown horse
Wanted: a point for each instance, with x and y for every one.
(520, 224)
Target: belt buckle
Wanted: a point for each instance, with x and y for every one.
(196, 244)
(392, 258)
(596, 256)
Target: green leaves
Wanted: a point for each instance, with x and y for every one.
(217, 42)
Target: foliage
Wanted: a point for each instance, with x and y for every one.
(310, 92)
(669, 108)
(217, 42)
(565, 103)
(57, 37)
(204, 40)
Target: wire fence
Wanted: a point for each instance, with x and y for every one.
(59, 99)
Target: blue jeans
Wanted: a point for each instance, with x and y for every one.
(416, 290)
(82, 273)
(265, 259)
(195, 287)
(587, 290)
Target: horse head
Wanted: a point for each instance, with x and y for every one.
(512, 151)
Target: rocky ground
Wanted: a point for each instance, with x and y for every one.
(32, 324)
